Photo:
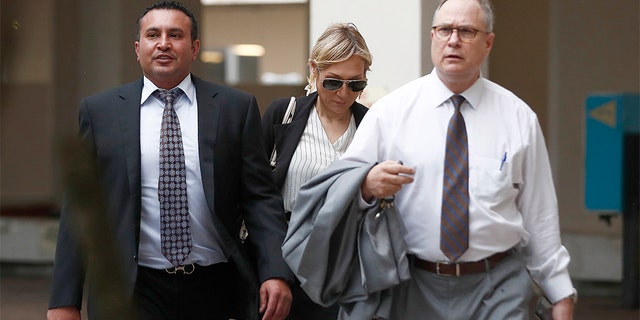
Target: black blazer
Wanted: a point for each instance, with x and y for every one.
(235, 175)
(287, 136)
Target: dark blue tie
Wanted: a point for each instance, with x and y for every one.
(454, 224)
(175, 230)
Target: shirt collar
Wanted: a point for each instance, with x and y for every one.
(186, 85)
(473, 95)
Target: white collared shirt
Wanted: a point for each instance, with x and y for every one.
(206, 247)
(313, 154)
(512, 196)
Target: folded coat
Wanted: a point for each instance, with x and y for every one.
(342, 253)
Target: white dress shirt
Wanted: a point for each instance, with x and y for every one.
(206, 248)
(512, 197)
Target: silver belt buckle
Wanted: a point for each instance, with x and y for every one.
(438, 263)
(186, 269)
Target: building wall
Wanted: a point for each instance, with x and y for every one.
(26, 110)
(595, 47)
(281, 29)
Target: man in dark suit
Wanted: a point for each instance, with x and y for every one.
(200, 268)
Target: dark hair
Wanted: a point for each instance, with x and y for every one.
(170, 5)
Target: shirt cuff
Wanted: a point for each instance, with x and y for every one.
(363, 204)
(573, 296)
(558, 287)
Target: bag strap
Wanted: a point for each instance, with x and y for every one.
(288, 117)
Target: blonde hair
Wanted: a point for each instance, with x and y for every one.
(337, 43)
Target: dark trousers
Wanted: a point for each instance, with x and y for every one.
(205, 294)
(303, 308)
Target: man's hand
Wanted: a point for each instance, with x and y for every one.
(385, 179)
(275, 299)
(563, 310)
(64, 313)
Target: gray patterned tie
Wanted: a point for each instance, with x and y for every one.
(454, 224)
(175, 231)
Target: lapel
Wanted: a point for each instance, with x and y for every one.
(208, 124)
(129, 115)
(289, 134)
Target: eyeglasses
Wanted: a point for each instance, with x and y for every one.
(335, 84)
(466, 34)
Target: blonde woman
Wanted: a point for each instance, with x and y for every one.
(322, 127)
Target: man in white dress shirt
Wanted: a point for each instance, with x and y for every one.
(513, 230)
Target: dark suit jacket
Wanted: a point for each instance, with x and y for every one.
(287, 136)
(235, 175)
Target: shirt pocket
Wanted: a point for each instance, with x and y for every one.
(490, 179)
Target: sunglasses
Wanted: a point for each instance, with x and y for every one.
(335, 84)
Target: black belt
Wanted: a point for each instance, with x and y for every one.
(460, 268)
(188, 269)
